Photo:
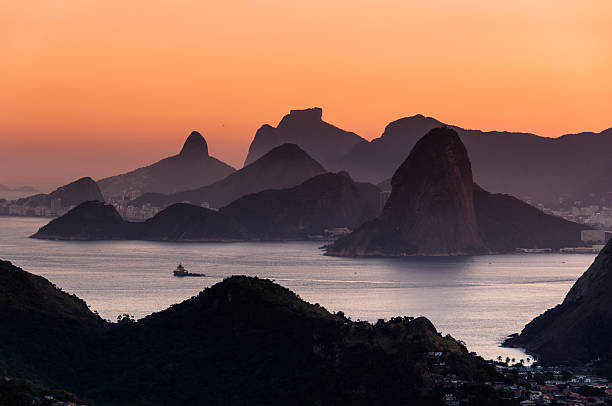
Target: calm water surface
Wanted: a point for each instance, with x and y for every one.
(479, 300)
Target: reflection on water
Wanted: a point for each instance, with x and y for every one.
(479, 300)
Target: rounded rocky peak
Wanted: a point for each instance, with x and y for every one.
(437, 152)
(195, 146)
(287, 149)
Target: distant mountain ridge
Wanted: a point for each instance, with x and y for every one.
(284, 166)
(72, 194)
(323, 141)
(305, 211)
(17, 189)
(191, 168)
(521, 164)
(435, 209)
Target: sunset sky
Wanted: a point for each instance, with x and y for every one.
(95, 88)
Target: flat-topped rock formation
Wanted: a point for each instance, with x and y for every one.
(323, 141)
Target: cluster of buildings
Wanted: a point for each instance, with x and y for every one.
(49, 400)
(53, 209)
(593, 215)
(553, 385)
(535, 386)
(135, 213)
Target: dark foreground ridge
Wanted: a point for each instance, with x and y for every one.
(579, 329)
(242, 341)
(435, 209)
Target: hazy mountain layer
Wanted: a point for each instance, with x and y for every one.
(522, 164)
(284, 166)
(323, 141)
(72, 194)
(191, 168)
(326, 201)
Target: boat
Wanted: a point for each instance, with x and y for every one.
(181, 271)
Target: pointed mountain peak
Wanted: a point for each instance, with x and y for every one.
(195, 145)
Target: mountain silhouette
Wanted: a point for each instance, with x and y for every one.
(242, 341)
(530, 167)
(322, 141)
(579, 329)
(180, 222)
(72, 194)
(435, 209)
(323, 202)
(284, 166)
(191, 168)
(431, 207)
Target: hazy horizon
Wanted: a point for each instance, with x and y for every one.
(97, 90)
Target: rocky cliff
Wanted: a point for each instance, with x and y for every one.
(579, 329)
(431, 207)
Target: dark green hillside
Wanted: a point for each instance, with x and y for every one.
(46, 334)
(244, 341)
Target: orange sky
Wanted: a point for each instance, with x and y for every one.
(96, 88)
